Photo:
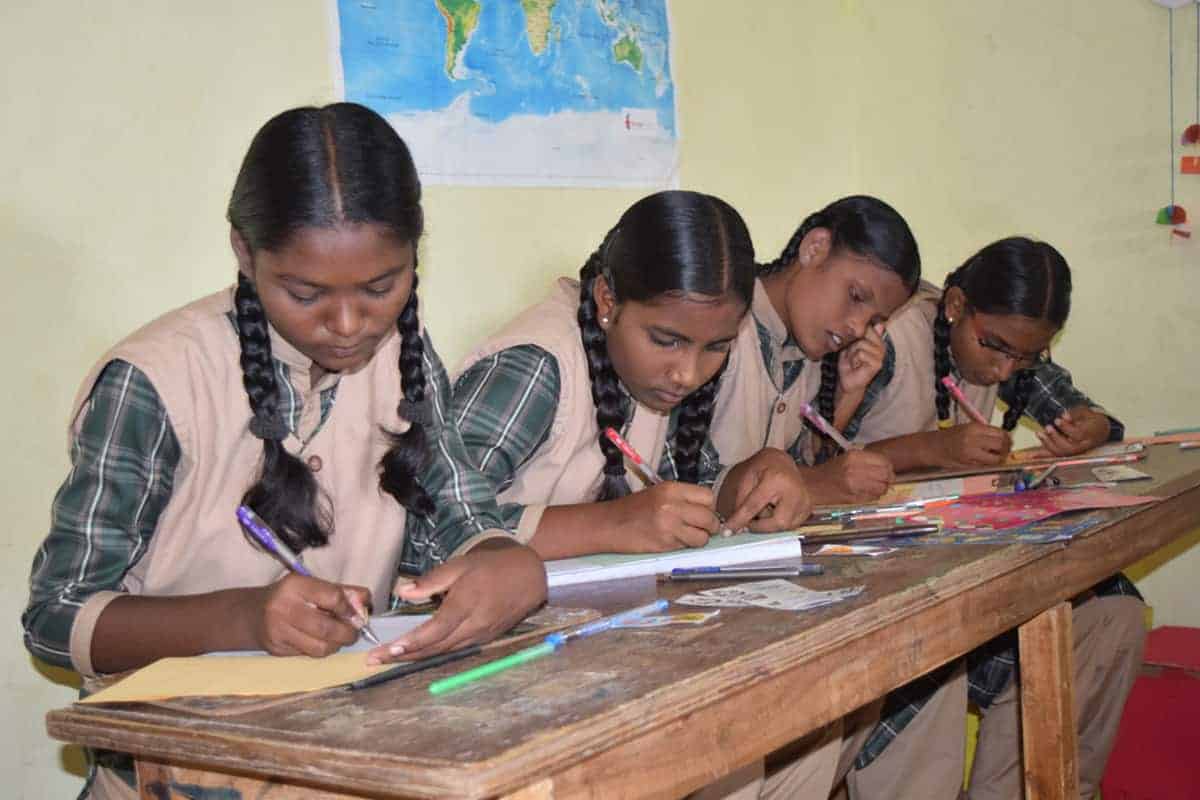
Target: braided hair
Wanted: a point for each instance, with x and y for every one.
(1011, 276)
(869, 228)
(320, 168)
(669, 243)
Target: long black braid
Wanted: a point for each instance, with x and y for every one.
(869, 228)
(606, 390)
(409, 452)
(695, 417)
(286, 494)
(1022, 389)
(941, 347)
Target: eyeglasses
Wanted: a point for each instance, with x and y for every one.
(1021, 360)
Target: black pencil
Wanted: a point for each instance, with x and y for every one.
(408, 668)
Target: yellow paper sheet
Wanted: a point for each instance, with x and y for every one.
(236, 675)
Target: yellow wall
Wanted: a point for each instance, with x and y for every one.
(124, 123)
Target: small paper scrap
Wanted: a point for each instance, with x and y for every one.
(777, 594)
(1119, 473)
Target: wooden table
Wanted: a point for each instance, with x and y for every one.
(661, 712)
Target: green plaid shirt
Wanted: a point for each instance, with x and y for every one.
(123, 464)
(505, 406)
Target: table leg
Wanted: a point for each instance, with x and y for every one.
(1048, 706)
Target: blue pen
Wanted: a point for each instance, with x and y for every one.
(788, 571)
(606, 623)
(263, 535)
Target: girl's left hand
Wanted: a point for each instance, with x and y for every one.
(1075, 431)
(485, 593)
(859, 363)
(769, 493)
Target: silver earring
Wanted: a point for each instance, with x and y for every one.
(604, 320)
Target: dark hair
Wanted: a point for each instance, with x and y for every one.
(669, 243)
(1011, 276)
(869, 228)
(320, 168)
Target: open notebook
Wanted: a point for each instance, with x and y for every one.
(742, 548)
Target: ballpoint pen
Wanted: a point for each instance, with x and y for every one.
(265, 537)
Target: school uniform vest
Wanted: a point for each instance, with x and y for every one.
(190, 356)
(751, 412)
(908, 403)
(568, 467)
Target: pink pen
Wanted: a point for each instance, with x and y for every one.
(824, 427)
(962, 400)
(626, 448)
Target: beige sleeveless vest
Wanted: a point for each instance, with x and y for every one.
(907, 405)
(750, 412)
(568, 467)
(191, 357)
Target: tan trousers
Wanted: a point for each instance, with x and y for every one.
(926, 761)
(811, 766)
(1110, 634)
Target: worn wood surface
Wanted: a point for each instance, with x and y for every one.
(160, 781)
(698, 701)
(1047, 706)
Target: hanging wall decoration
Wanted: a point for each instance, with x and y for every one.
(1174, 214)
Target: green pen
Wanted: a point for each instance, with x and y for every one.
(492, 667)
(547, 646)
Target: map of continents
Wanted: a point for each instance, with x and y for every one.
(526, 92)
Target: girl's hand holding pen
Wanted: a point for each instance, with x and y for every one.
(484, 593)
(975, 445)
(299, 615)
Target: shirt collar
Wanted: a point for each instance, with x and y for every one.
(769, 322)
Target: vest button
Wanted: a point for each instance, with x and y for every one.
(314, 463)
(782, 407)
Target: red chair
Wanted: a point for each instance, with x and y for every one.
(1157, 752)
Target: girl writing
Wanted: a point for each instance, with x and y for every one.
(637, 345)
(310, 393)
(990, 330)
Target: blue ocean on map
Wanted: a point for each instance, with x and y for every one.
(397, 58)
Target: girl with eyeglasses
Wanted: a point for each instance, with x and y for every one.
(990, 330)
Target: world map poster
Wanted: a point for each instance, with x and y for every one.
(518, 92)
